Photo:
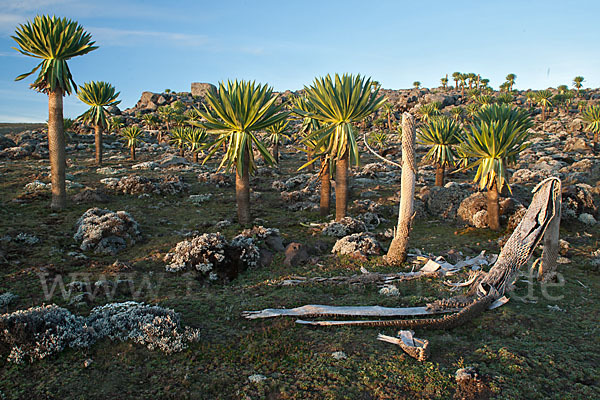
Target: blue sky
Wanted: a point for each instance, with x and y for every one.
(154, 45)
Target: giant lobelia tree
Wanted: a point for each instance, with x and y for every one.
(494, 140)
(238, 110)
(442, 134)
(311, 147)
(97, 95)
(339, 103)
(54, 41)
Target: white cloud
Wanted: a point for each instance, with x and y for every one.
(123, 37)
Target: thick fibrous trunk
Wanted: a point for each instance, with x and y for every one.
(325, 191)
(195, 156)
(493, 207)
(276, 152)
(181, 153)
(439, 175)
(341, 187)
(133, 153)
(242, 191)
(98, 137)
(311, 167)
(398, 248)
(56, 147)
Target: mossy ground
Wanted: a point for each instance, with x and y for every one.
(528, 350)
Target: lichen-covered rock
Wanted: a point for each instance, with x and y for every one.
(105, 231)
(344, 227)
(361, 243)
(149, 325)
(213, 257)
(39, 332)
(7, 298)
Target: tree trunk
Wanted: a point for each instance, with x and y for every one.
(325, 191)
(56, 148)
(181, 152)
(196, 157)
(276, 152)
(399, 246)
(389, 122)
(439, 175)
(341, 187)
(543, 113)
(242, 191)
(133, 153)
(311, 167)
(493, 207)
(98, 135)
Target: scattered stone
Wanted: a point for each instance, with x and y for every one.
(200, 88)
(37, 186)
(173, 161)
(443, 202)
(257, 378)
(339, 355)
(389, 290)
(147, 165)
(295, 254)
(587, 219)
(198, 199)
(26, 238)
(574, 144)
(471, 385)
(107, 171)
(91, 196)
